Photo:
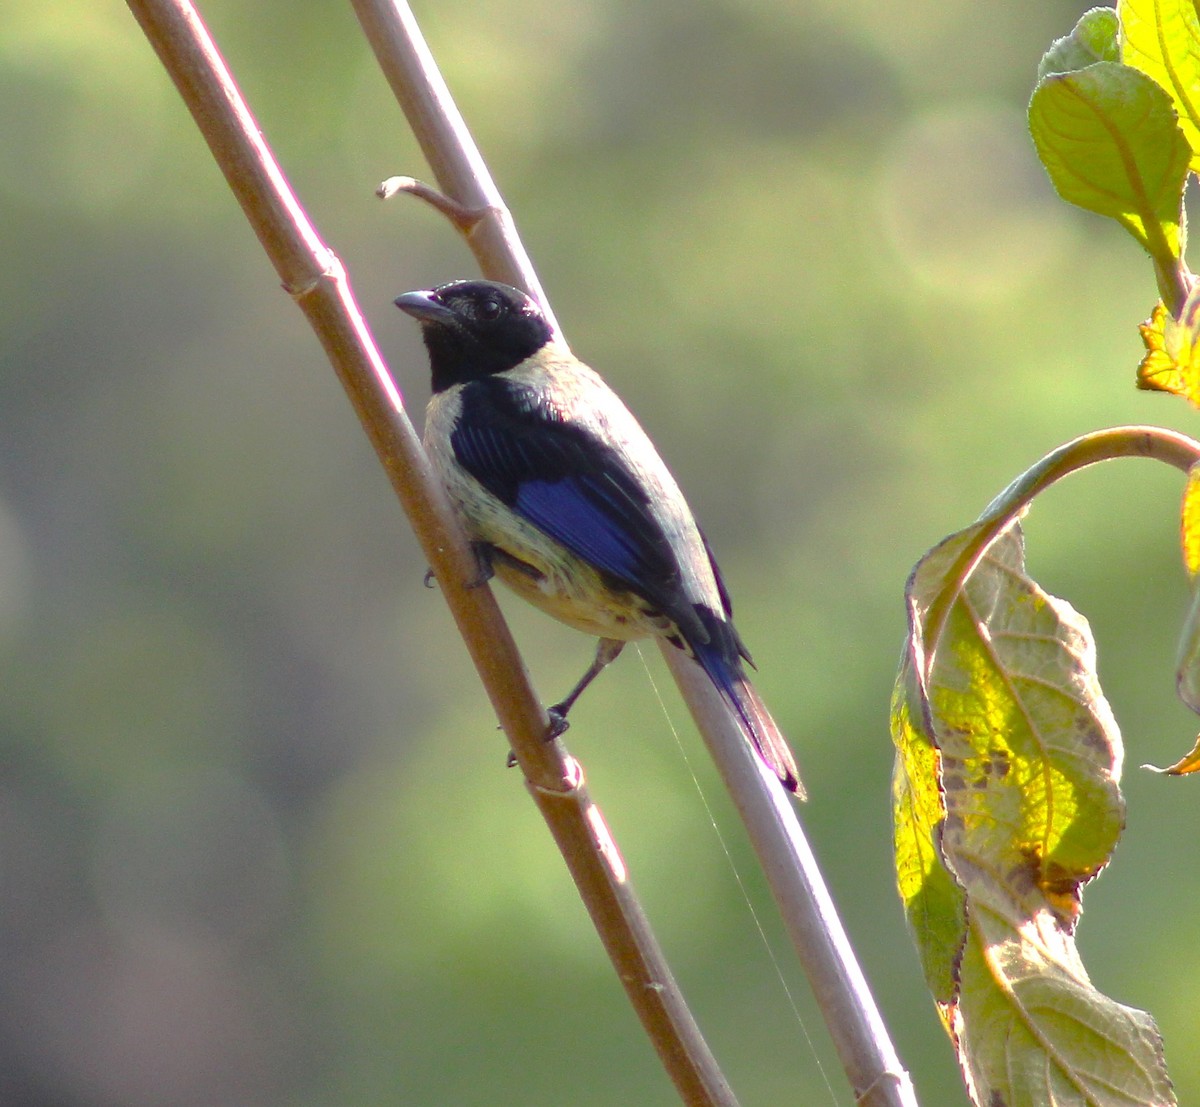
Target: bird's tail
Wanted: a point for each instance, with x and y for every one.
(762, 731)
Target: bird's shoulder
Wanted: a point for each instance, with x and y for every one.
(555, 404)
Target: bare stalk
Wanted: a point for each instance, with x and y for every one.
(857, 1028)
(314, 276)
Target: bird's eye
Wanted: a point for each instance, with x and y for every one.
(490, 309)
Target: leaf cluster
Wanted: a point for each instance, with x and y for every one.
(1115, 118)
(1006, 796)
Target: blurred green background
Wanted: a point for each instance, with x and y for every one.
(257, 842)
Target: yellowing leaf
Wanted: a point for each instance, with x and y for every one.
(1187, 665)
(1031, 1008)
(1173, 349)
(933, 901)
(1008, 760)
(1172, 361)
(1189, 763)
(1189, 527)
(1162, 39)
(1158, 371)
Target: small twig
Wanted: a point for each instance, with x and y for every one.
(464, 218)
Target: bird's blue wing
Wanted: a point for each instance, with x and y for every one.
(578, 489)
(575, 511)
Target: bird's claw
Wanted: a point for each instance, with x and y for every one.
(558, 726)
(558, 723)
(483, 563)
(429, 579)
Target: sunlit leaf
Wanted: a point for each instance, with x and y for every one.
(1187, 666)
(1093, 39)
(1158, 371)
(1005, 711)
(1189, 526)
(1172, 361)
(1109, 139)
(933, 901)
(1162, 39)
(1033, 1031)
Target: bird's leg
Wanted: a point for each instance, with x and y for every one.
(607, 651)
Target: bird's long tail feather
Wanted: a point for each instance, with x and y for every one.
(750, 711)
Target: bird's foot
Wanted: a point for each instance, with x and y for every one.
(558, 726)
(484, 572)
(483, 552)
(558, 722)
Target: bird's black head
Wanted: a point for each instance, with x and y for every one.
(473, 329)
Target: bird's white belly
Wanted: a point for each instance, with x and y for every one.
(575, 594)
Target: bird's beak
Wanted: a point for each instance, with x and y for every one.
(423, 307)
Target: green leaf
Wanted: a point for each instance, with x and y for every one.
(1093, 39)
(1035, 1032)
(1161, 38)
(1009, 756)
(1109, 139)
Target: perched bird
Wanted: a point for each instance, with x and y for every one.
(566, 500)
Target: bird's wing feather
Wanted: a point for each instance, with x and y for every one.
(566, 480)
(726, 602)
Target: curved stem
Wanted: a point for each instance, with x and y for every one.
(1089, 449)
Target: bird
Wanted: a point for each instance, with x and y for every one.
(565, 499)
